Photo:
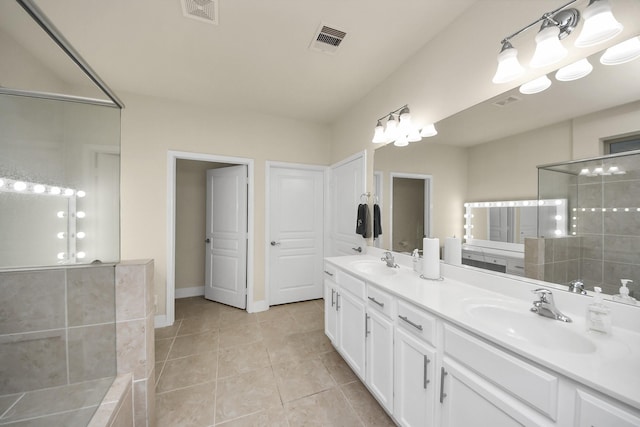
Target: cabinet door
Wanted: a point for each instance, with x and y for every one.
(330, 312)
(468, 400)
(351, 323)
(414, 382)
(380, 358)
(595, 412)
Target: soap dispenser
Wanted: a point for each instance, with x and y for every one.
(416, 260)
(598, 314)
(624, 296)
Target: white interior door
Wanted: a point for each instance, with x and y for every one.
(347, 186)
(226, 236)
(296, 208)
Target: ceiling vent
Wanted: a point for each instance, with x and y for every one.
(506, 101)
(202, 10)
(327, 39)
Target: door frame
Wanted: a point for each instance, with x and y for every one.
(267, 198)
(428, 202)
(172, 158)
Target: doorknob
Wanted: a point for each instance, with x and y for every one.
(274, 243)
(207, 240)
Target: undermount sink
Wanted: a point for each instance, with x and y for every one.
(531, 328)
(372, 267)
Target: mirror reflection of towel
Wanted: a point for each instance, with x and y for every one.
(362, 224)
(377, 222)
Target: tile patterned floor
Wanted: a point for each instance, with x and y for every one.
(219, 366)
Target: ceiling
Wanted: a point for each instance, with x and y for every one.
(257, 57)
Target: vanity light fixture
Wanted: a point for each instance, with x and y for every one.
(600, 25)
(400, 129)
(575, 71)
(536, 85)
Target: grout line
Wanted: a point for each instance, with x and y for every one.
(12, 405)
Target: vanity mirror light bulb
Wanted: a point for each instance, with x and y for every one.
(61, 235)
(512, 204)
(604, 209)
(574, 225)
(81, 214)
(19, 186)
(559, 202)
(61, 214)
(626, 209)
(61, 255)
(558, 217)
(68, 192)
(540, 202)
(81, 255)
(81, 235)
(574, 218)
(615, 209)
(38, 188)
(598, 170)
(465, 236)
(573, 233)
(525, 203)
(54, 190)
(558, 232)
(466, 205)
(81, 193)
(584, 171)
(499, 204)
(1, 182)
(593, 209)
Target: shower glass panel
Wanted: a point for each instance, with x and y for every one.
(602, 245)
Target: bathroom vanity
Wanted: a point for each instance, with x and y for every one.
(467, 350)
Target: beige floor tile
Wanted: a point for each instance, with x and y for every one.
(198, 324)
(232, 319)
(239, 335)
(304, 307)
(328, 408)
(243, 358)
(338, 368)
(187, 345)
(290, 348)
(246, 394)
(300, 379)
(273, 329)
(275, 312)
(169, 331)
(162, 348)
(318, 342)
(187, 371)
(274, 417)
(366, 406)
(187, 407)
(311, 320)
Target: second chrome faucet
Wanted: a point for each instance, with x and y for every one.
(546, 307)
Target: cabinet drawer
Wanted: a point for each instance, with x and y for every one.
(417, 321)
(379, 300)
(534, 386)
(350, 283)
(594, 412)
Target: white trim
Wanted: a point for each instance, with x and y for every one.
(267, 212)
(428, 190)
(161, 321)
(172, 157)
(378, 189)
(258, 306)
(360, 154)
(188, 292)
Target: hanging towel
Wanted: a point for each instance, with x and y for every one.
(362, 224)
(377, 222)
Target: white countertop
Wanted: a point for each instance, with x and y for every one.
(613, 368)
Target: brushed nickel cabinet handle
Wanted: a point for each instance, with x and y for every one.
(426, 362)
(372, 299)
(442, 375)
(418, 327)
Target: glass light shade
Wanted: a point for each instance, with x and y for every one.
(405, 120)
(391, 132)
(509, 67)
(401, 141)
(575, 71)
(413, 135)
(599, 24)
(535, 86)
(623, 52)
(378, 135)
(549, 50)
(428, 130)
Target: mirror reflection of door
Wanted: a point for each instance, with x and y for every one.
(410, 202)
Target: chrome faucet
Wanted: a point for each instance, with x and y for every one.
(546, 307)
(577, 286)
(390, 260)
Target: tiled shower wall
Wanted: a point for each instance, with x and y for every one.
(58, 327)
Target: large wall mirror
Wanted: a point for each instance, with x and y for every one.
(59, 153)
(492, 150)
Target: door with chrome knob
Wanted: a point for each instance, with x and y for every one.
(274, 243)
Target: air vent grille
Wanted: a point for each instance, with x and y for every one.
(201, 10)
(506, 101)
(327, 39)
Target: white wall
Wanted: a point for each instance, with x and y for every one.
(153, 126)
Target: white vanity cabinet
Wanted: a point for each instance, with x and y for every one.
(592, 411)
(345, 316)
(415, 367)
(379, 346)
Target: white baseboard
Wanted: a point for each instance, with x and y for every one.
(194, 291)
(161, 321)
(257, 306)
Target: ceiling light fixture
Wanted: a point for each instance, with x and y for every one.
(400, 129)
(600, 25)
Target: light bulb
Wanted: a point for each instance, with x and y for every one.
(61, 255)
(1, 182)
(68, 192)
(584, 171)
(81, 193)
(623, 52)
(405, 120)
(428, 131)
(378, 135)
(19, 186)
(549, 50)
(38, 188)
(61, 214)
(61, 235)
(81, 235)
(81, 214)
(54, 190)
(81, 255)
(391, 132)
(558, 217)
